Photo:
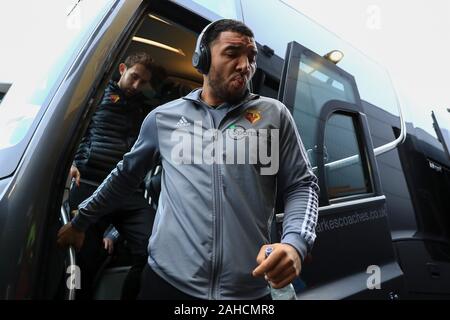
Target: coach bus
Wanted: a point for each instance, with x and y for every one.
(383, 164)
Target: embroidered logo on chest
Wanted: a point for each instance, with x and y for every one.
(252, 116)
(115, 98)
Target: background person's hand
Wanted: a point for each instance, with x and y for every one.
(68, 235)
(108, 244)
(281, 267)
(75, 174)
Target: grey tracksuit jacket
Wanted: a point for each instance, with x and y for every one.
(214, 216)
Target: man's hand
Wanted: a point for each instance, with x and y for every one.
(281, 267)
(68, 235)
(75, 174)
(108, 244)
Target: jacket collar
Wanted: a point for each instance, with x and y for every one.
(194, 96)
(113, 87)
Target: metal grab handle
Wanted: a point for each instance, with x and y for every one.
(65, 220)
(72, 259)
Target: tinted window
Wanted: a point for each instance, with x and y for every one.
(55, 38)
(225, 8)
(39, 72)
(343, 166)
(316, 85)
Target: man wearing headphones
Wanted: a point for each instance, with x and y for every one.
(219, 186)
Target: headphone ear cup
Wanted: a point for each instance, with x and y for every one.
(201, 59)
(206, 62)
(196, 59)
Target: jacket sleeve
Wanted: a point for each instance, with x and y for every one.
(124, 179)
(297, 185)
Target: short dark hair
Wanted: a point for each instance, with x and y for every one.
(142, 58)
(226, 25)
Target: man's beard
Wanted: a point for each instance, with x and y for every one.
(219, 86)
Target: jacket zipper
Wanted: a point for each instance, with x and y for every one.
(217, 214)
(216, 225)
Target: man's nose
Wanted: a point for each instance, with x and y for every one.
(243, 65)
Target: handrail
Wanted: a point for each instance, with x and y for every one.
(72, 259)
(402, 137)
(65, 218)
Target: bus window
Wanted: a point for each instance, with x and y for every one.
(316, 85)
(225, 8)
(326, 107)
(343, 166)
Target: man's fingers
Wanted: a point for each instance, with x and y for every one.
(75, 174)
(108, 245)
(284, 283)
(260, 270)
(78, 177)
(281, 268)
(61, 238)
(268, 264)
(62, 229)
(67, 236)
(261, 255)
(281, 275)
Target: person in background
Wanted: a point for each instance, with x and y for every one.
(112, 132)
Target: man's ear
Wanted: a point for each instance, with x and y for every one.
(122, 68)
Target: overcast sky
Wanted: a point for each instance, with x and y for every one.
(411, 38)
